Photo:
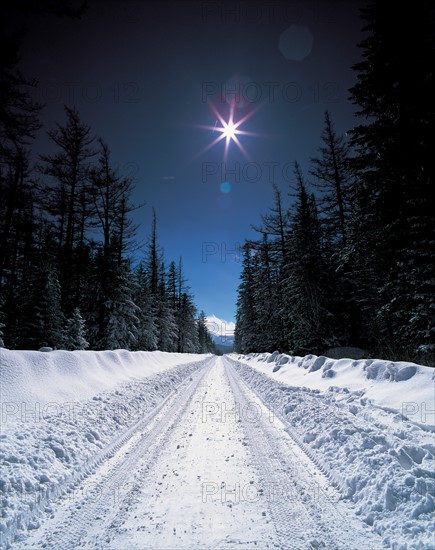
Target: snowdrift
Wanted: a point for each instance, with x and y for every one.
(64, 412)
(369, 425)
(375, 377)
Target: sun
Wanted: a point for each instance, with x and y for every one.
(228, 130)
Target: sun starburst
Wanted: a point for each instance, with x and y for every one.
(228, 130)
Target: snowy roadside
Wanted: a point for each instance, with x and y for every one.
(369, 425)
(63, 413)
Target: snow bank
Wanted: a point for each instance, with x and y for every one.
(405, 387)
(64, 412)
(61, 376)
(369, 425)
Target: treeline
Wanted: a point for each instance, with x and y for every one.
(67, 242)
(350, 259)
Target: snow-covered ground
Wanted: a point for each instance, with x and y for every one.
(64, 413)
(369, 424)
(120, 450)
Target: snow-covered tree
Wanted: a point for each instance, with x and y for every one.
(119, 321)
(274, 230)
(205, 342)
(266, 290)
(147, 334)
(185, 314)
(167, 326)
(172, 286)
(39, 318)
(333, 180)
(395, 174)
(306, 316)
(165, 315)
(75, 332)
(188, 341)
(113, 318)
(245, 336)
(122, 325)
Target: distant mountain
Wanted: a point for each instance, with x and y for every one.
(222, 333)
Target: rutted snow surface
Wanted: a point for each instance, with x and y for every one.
(189, 457)
(213, 468)
(64, 413)
(369, 425)
(192, 495)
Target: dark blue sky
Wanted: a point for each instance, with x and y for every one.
(144, 75)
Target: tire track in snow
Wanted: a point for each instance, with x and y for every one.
(150, 494)
(292, 520)
(192, 496)
(308, 512)
(101, 493)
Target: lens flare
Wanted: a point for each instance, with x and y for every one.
(225, 187)
(229, 130)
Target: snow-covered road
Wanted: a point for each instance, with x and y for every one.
(211, 468)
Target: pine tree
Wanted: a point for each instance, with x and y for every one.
(306, 315)
(39, 320)
(160, 300)
(396, 170)
(147, 338)
(267, 305)
(205, 342)
(27, 227)
(110, 192)
(75, 332)
(276, 224)
(122, 312)
(275, 227)
(113, 317)
(167, 328)
(185, 314)
(19, 122)
(154, 257)
(334, 182)
(66, 184)
(188, 341)
(333, 179)
(54, 318)
(245, 335)
(172, 287)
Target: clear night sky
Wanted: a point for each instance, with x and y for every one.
(144, 75)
